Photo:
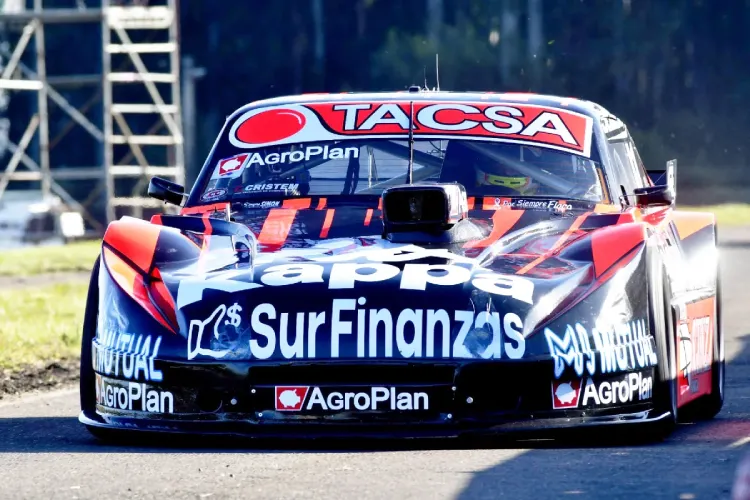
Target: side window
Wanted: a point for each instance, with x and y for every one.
(626, 162)
(641, 168)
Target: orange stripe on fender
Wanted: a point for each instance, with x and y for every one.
(276, 227)
(122, 273)
(368, 216)
(132, 283)
(134, 238)
(610, 244)
(688, 223)
(560, 241)
(327, 223)
(502, 222)
(297, 203)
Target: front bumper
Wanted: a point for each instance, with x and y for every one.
(536, 428)
(355, 399)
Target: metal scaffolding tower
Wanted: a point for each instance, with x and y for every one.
(148, 61)
(131, 150)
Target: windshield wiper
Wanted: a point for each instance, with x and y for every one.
(410, 174)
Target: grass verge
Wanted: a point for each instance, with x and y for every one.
(727, 214)
(41, 324)
(79, 256)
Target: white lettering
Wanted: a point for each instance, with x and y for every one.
(339, 326)
(351, 111)
(292, 274)
(558, 128)
(374, 399)
(385, 114)
(355, 331)
(632, 388)
(258, 351)
(132, 396)
(426, 116)
(344, 275)
(417, 276)
(617, 349)
(112, 357)
(509, 285)
(513, 126)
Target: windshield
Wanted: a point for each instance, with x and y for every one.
(369, 166)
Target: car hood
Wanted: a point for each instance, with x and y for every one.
(367, 297)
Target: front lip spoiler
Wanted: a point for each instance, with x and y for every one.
(304, 431)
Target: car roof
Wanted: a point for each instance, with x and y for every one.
(584, 107)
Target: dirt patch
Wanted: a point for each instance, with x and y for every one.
(45, 377)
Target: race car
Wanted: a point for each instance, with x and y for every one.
(414, 263)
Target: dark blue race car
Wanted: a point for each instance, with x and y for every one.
(420, 263)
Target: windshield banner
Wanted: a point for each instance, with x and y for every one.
(554, 128)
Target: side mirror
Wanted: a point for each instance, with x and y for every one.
(660, 195)
(653, 196)
(166, 191)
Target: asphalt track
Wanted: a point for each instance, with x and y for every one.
(45, 453)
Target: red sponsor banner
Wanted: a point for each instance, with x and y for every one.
(514, 121)
(695, 349)
(517, 122)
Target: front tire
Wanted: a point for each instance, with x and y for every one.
(86, 370)
(662, 326)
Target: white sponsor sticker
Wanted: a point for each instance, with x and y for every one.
(631, 388)
(128, 356)
(627, 346)
(306, 154)
(214, 194)
(261, 204)
(380, 267)
(296, 398)
(279, 187)
(133, 396)
(374, 333)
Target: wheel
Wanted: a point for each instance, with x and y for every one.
(661, 324)
(86, 370)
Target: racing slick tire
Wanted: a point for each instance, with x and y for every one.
(661, 323)
(87, 379)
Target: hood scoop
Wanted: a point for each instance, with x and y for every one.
(427, 213)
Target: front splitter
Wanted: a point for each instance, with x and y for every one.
(537, 427)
